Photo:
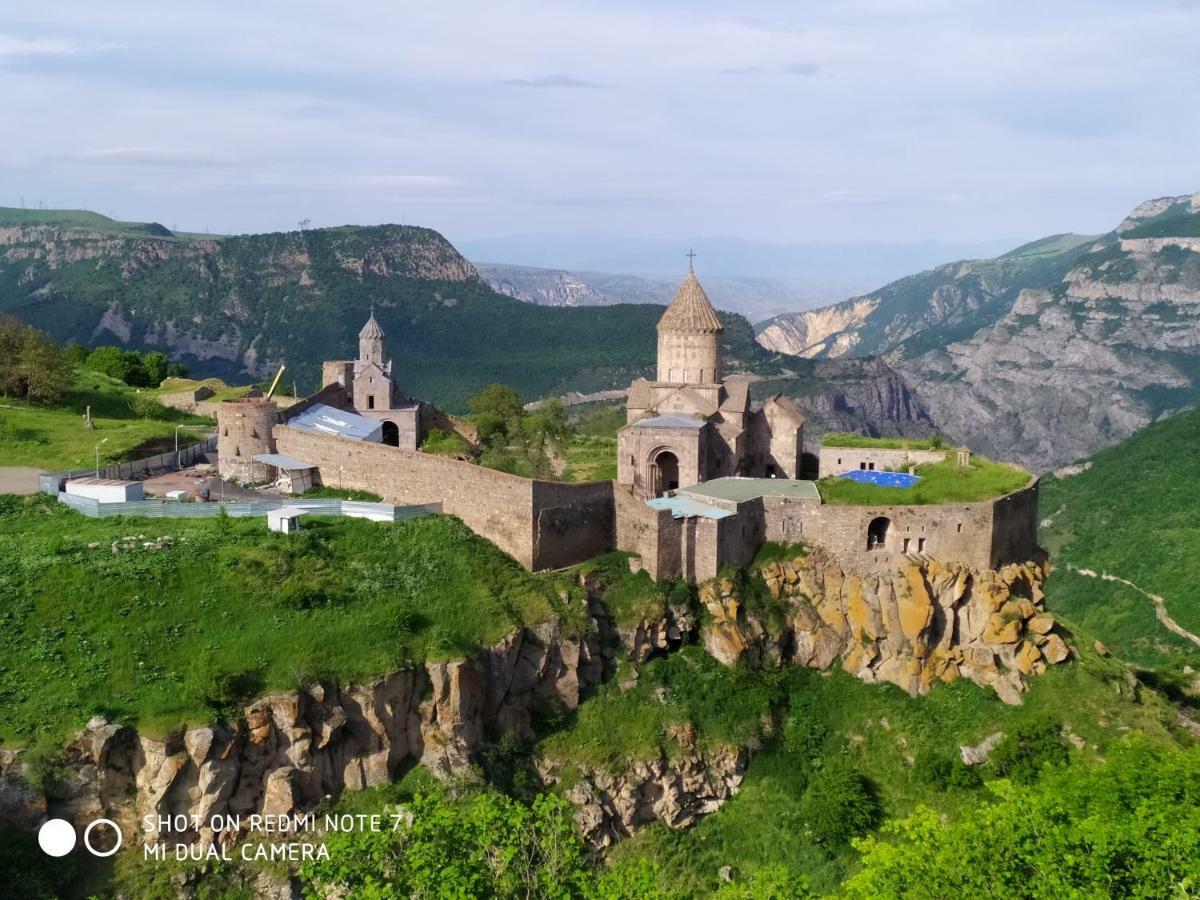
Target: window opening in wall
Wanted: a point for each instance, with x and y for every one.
(370, 403)
(871, 467)
(960, 527)
(839, 461)
(863, 466)
(906, 543)
(920, 545)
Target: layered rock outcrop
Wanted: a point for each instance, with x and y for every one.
(292, 749)
(929, 622)
(673, 789)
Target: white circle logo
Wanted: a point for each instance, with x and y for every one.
(87, 834)
(56, 837)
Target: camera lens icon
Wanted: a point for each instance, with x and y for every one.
(57, 837)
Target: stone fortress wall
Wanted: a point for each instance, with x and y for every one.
(836, 460)
(543, 525)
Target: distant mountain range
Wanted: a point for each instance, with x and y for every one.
(754, 298)
(1045, 354)
(237, 307)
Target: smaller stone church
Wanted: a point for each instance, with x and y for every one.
(692, 424)
(372, 392)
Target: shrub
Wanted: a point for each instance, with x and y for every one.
(839, 803)
(1031, 747)
(144, 406)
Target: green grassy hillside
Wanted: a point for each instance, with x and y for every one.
(53, 437)
(223, 610)
(1134, 514)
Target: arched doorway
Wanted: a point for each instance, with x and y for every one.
(666, 473)
(877, 533)
(391, 434)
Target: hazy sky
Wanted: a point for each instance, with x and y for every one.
(956, 120)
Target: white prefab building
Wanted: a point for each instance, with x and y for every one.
(106, 490)
(285, 520)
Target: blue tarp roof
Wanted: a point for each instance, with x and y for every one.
(686, 506)
(881, 479)
(328, 420)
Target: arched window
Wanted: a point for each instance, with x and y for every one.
(877, 533)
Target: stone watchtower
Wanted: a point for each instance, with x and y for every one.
(689, 332)
(245, 429)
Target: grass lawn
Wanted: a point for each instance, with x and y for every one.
(942, 482)
(53, 437)
(591, 459)
(848, 439)
(230, 611)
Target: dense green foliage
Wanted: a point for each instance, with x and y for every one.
(226, 610)
(1134, 514)
(32, 367)
(833, 729)
(943, 482)
(135, 369)
(127, 424)
(485, 846)
(1126, 828)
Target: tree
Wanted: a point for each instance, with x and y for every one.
(486, 845)
(32, 366)
(497, 410)
(110, 361)
(45, 368)
(839, 803)
(157, 366)
(1128, 827)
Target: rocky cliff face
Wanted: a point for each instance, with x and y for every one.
(290, 750)
(930, 622)
(1046, 354)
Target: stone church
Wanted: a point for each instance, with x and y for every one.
(692, 424)
(372, 393)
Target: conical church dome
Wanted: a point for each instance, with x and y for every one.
(371, 330)
(690, 312)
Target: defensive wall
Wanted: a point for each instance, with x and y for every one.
(836, 460)
(543, 525)
(985, 534)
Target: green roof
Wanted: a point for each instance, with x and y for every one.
(739, 490)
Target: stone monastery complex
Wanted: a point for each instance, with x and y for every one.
(703, 477)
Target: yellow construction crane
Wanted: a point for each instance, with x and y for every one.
(275, 383)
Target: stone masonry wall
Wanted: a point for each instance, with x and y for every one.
(835, 460)
(494, 504)
(543, 525)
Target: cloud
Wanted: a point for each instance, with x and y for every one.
(11, 45)
(551, 81)
(146, 155)
(802, 68)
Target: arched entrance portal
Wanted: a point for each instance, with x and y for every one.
(666, 473)
(877, 533)
(391, 434)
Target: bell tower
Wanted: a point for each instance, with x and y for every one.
(370, 342)
(689, 350)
